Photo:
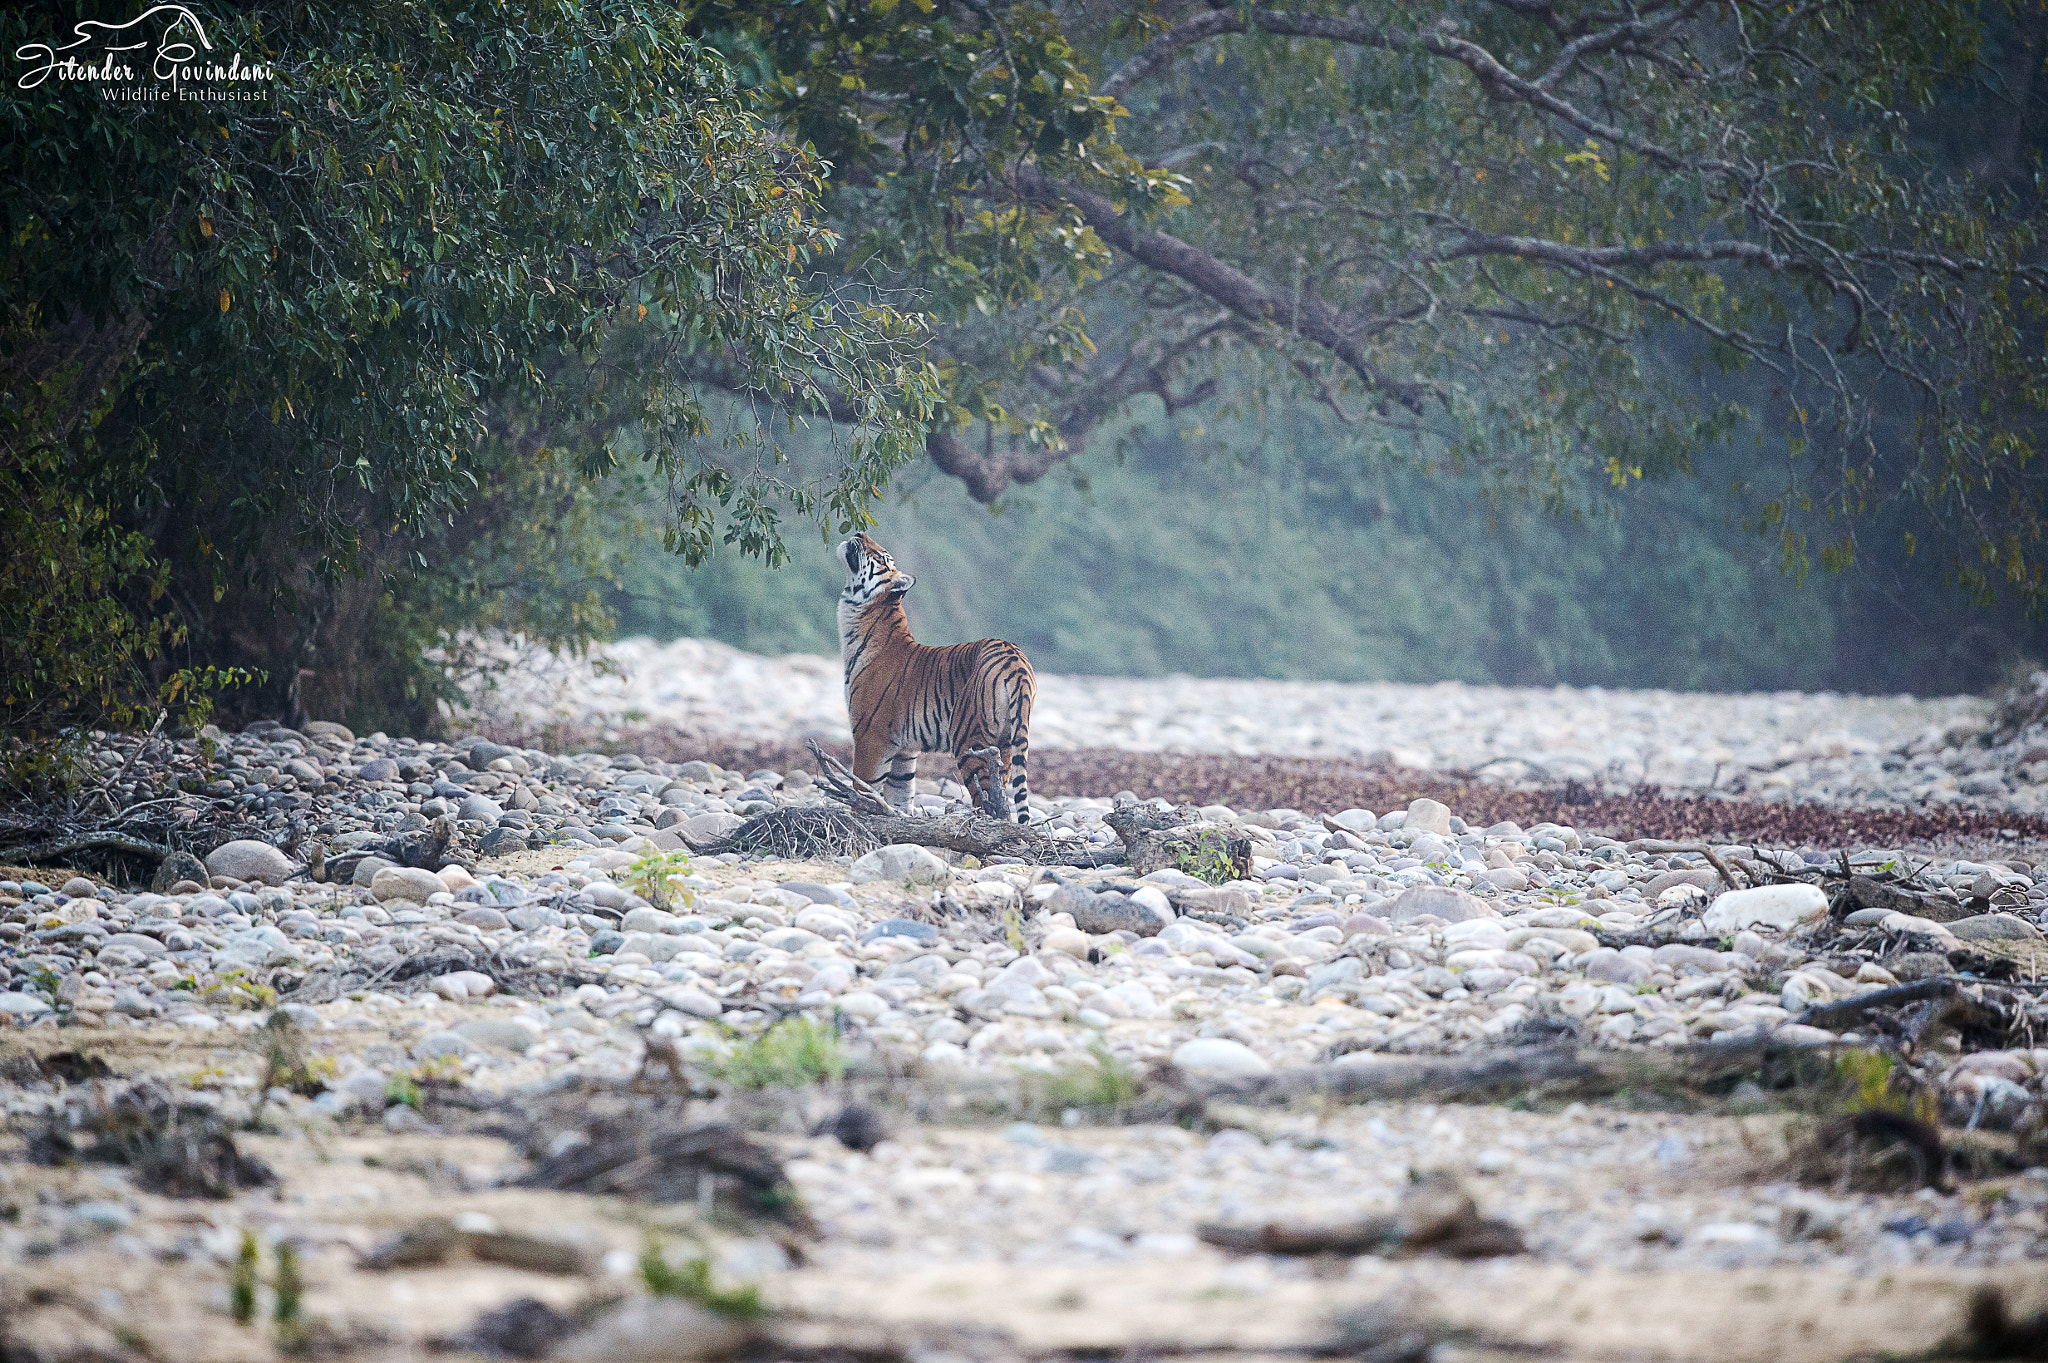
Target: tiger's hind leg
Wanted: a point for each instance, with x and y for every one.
(902, 775)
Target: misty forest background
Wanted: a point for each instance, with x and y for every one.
(1257, 547)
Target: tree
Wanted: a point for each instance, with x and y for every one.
(287, 342)
(1530, 236)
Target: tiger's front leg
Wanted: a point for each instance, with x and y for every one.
(888, 769)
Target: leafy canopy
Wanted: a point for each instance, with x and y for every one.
(1532, 237)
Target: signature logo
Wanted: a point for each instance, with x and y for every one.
(165, 43)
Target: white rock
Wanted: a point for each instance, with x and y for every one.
(1131, 995)
(15, 1004)
(1766, 906)
(1217, 1055)
(405, 882)
(1428, 816)
(455, 877)
(861, 1004)
(902, 861)
(1072, 941)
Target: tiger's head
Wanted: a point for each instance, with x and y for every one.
(870, 573)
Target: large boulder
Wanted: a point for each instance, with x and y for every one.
(249, 859)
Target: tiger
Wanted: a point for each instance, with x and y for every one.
(905, 698)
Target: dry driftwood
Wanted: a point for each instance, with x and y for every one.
(59, 847)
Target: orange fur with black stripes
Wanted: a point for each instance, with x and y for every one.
(905, 698)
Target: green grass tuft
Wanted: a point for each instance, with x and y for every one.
(793, 1053)
(692, 1282)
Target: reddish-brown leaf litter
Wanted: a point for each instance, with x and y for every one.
(1317, 785)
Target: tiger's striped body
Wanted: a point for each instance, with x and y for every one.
(905, 698)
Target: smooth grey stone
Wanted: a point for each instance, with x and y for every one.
(1343, 970)
(926, 970)
(1995, 927)
(16, 1004)
(435, 1044)
(378, 769)
(366, 870)
(478, 916)
(135, 1004)
(529, 917)
(901, 927)
(1611, 967)
(506, 894)
(820, 894)
(482, 808)
(501, 1033)
(501, 842)
(1445, 902)
(1112, 912)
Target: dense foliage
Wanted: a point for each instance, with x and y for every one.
(284, 343)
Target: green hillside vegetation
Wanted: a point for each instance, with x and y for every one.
(1284, 562)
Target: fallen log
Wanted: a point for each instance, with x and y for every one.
(85, 842)
(868, 821)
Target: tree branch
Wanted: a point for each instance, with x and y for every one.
(1310, 318)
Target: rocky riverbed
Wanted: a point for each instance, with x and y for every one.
(1058, 1077)
(1884, 752)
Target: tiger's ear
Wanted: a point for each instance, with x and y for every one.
(903, 583)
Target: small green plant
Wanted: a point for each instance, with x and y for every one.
(692, 1282)
(1870, 1075)
(1013, 929)
(242, 1287)
(1206, 858)
(45, 981)
(1107, 1084)
(402, 1089)
(291, 1288)
(286, 1064)
(791, 1054)
(651, 874)
(237, 990)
